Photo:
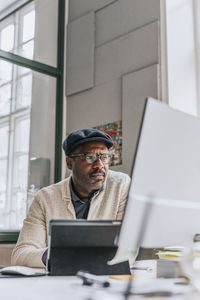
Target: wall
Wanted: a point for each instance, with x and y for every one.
(182, 59)
(112, 65)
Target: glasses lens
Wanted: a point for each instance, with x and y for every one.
(105, 158)
(90, 158)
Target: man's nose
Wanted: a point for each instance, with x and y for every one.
(98, 163)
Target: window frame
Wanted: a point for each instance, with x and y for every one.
(56, 72)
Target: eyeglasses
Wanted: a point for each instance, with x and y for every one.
(92, 157)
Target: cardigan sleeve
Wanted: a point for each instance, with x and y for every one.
(125, 184)
(32, 242)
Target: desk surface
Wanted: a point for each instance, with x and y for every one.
(67, 287)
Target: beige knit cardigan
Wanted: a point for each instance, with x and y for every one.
(54, 202)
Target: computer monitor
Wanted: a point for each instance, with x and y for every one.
(163, 206)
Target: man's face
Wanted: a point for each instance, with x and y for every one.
(88, 177)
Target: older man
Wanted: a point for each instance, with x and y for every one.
(91, 192)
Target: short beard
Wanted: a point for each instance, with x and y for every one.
(97, 171)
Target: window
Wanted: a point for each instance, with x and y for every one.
(31, 95)
(16, 32)
(4, 134)
(27, 43)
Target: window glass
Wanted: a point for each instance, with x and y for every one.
(26, 95)
(24, 91)
(22, 71)
(16, 88)
(28, 90)
(5, 98)
(2, 199)
(22, 129)
(28, 26)
(21, 173)
(14, 144)
(18, 212)
(4, 131)
(5, 72)
(18, 36)
(7, 38)
(32, 32)
(3, 174)
(28, 49)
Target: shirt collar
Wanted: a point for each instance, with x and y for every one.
(75, 197)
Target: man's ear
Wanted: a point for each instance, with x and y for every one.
(69, 162)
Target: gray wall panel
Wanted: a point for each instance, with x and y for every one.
(100, 105)
(136, 87)
(78, 8)
(127, 46)
(80, 54)
(124, 16)
(127, 53)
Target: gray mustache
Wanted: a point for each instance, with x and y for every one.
(102, 172)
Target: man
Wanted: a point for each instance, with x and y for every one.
(91, 192)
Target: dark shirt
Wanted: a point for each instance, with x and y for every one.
(81, 206)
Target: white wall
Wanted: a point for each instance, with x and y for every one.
(181, 55)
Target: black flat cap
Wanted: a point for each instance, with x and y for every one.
(78, 137)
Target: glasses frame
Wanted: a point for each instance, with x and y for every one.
(98, 156)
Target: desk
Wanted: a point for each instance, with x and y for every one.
(67, 288)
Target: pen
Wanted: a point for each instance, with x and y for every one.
(89, 279)
(142, 268)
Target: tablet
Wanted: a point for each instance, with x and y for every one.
(84, 233)
(83, 245)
